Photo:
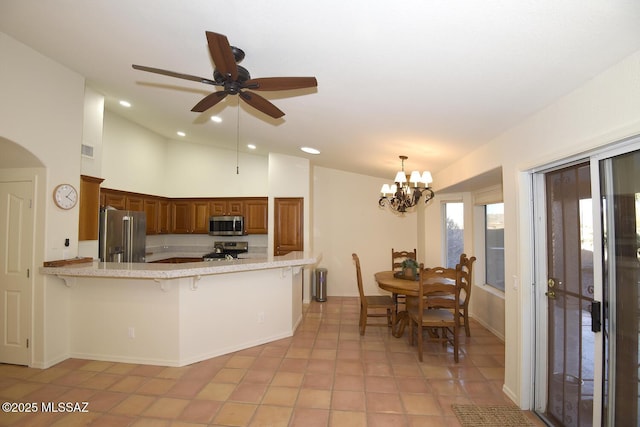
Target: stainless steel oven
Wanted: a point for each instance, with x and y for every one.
(226, 225)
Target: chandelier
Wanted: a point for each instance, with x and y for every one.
(401, 195)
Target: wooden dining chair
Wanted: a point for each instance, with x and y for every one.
(398, 256)
(396, 265)
(441, 324)
(466, 268)
(372, 305)
(464, 282)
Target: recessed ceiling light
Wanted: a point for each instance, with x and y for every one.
(125, 103)
(180, 133)
(251, 146)
(216, 119)
(310, 150)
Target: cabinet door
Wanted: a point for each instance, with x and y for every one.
(235, 207)
(288, 232)
(164, 216)
(89, 207)
(115, 200)
(135, 203)
(180, 217)
(218, 207)
(256, 216)
(200, 217)
(226, 206)
(151, 208)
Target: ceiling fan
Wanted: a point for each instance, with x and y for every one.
(235, 80)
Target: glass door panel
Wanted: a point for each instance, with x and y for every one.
(570, 362)
(620, 191)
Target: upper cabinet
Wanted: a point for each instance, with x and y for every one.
(189, 216)
(89, 207)
(232, 206)
(256, 217)
(113, 198)
(158, 210)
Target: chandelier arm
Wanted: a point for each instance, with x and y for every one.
(430, 196)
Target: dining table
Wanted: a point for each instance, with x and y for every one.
(392, 282)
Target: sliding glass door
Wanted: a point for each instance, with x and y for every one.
(588, 290)
(620, 177)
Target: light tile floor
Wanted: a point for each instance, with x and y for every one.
(325, 375)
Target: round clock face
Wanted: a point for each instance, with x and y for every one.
(65, 196)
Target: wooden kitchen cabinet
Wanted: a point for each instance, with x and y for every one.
(180, 217)
(158, 212)
(164, 216)
(122, 200)
(200, 216)
(190, 216)
(256, 215)
(230, 206)
(89, 207)
(115, 199)
(151, 209)
(135, 203)
(288, 230)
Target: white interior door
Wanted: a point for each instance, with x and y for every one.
(16, 289)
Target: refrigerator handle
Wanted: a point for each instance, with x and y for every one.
(127, 234)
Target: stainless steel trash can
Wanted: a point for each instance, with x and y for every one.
(321, 284)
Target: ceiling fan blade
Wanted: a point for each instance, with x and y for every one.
(259, 103)
(281, 83)
(174, 74)
(209, 101)
(222, 55)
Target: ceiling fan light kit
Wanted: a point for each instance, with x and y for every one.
(402, 196)
(236, 80)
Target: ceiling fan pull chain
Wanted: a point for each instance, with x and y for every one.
(238, 140)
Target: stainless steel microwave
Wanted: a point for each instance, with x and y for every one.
(226, 225)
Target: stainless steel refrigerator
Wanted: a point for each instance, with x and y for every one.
(123, 236)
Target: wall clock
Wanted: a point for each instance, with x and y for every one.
(65, 196)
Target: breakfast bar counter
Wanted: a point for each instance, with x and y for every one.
(178, 314)
(173, 271)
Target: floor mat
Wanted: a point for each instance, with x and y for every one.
(495, 415)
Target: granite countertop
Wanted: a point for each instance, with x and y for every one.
(174, 271)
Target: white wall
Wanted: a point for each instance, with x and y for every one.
(604, 111)
(133, 157)
(139, 160)
(347, 219)
(210, 172)
(41, 109)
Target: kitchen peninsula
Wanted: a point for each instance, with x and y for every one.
(178, 314)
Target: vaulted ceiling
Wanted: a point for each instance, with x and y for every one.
(428, 79)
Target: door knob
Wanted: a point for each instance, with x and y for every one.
(551, 294)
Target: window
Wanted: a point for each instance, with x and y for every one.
(494, 244)
(454, 241)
